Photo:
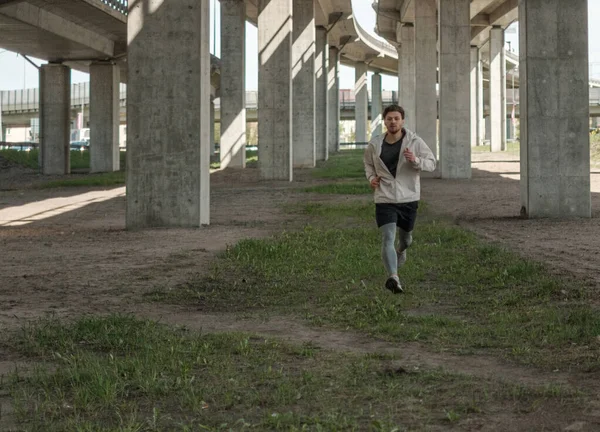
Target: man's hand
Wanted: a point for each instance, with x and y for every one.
(409, 156)
(375, 183)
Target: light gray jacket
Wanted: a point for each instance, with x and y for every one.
(406, 186)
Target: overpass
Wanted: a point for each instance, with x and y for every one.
(19, 107)
(163, 55)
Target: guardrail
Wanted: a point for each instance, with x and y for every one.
(16, 101)
(29, 99)
(118, 5)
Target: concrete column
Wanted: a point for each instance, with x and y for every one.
(475, 97)
(554, 109)
(361, 104)
(455, 89)
(406, 75)
(333, 93)
(275, 89)
(321, 114)
(168, 114)
(497, 90)
(426, 71)
(376, 105)
(212, 126)
(233, 84)
(303, 79)
(104, 117)
(55, 118)
(480, 107)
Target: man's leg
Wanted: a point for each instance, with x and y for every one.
(404, 242)
(390, 257)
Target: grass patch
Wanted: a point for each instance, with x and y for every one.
(102, 179)
(78, 159)
(354, 188)
(345, 164)
(28, 159)
(251, 160)
(512, 147)
(120, 373)
(463, 295)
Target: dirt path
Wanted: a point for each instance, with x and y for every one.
(74, 259)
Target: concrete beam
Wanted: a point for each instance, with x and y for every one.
(376, 105)
(57, 25)
(104, 117)
(168, 104)
(361, 106)
(497, 65)
(233, 84)
(406, 75)
(321, 92)
(303, 82)
(425, 70)
(55, 120)
(275, 89)
(454, 109)
(554, 109)
(333, 106)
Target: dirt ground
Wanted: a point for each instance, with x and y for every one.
(66, 252)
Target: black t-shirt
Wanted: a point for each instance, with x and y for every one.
(390, 154)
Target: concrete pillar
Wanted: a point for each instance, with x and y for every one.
(104, 117)
(361, 104)
(406, 75)
(480, 107)
(333, 94)
(168, 114)
(476, 98)
(275, 89)
(497, 90)
(321, 113)
(303, 79)
(554, 109)
(55, 119)
(376, 105)
(426, 71)
(455, 89)
(233, 84)
(212, 126)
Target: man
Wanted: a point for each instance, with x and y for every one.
(393, 162)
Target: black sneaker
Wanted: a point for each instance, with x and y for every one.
(393, 284)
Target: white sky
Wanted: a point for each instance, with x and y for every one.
(16, 73)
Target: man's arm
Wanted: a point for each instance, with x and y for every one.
(424, 160)
(368, 162)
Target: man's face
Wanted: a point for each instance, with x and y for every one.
(394, 122)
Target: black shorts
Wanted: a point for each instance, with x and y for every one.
(403, 215)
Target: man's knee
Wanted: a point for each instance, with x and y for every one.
(405, 239)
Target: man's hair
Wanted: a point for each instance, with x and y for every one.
(393, 108)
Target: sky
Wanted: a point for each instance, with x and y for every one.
(17, 73)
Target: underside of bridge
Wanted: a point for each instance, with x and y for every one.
(161, 50)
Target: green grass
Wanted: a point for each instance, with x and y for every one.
(353, 188)
(79, 159)
(102, 179)
(251, 160)
(462, 294)
(512, 147)
(118, 373)
(346, 164)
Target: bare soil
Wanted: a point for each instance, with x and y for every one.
(84, 261)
